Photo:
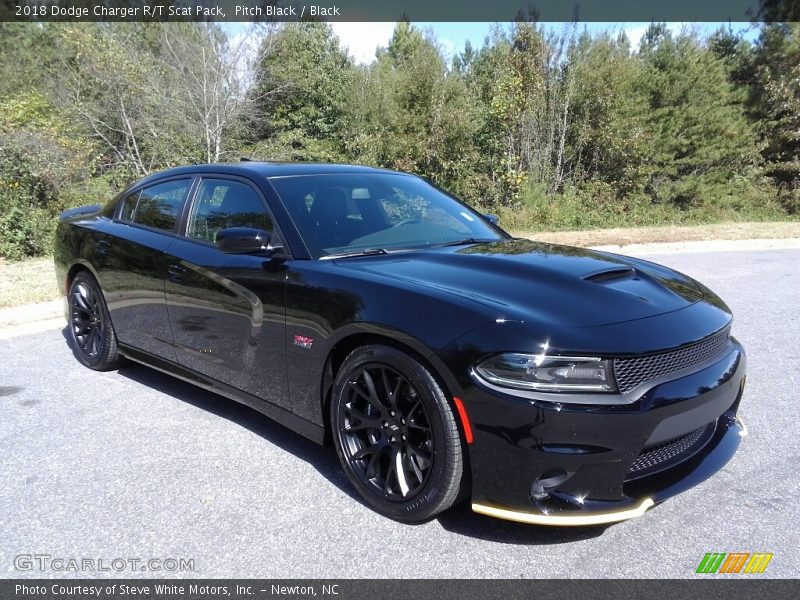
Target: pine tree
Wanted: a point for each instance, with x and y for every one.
(700, 138)
(303, 83)
(775, 103)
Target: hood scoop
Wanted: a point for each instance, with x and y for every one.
(611, 275)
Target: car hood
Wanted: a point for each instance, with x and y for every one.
(531, 281)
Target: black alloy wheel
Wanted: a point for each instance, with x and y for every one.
(395, 434)
(93, 339)
(387, 434)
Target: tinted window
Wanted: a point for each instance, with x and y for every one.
(221, 203)
(159, 205)
(129, 207)
(352, 211)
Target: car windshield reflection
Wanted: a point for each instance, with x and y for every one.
(344, 213)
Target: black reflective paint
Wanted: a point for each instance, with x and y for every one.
(227, 322)
(516, 442)
(227, 317)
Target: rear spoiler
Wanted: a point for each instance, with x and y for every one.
(89, 209)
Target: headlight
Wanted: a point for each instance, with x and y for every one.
(548, 373)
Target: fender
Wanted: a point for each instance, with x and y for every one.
(379, 330)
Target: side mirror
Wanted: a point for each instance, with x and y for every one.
(245, 240)
(493, 219)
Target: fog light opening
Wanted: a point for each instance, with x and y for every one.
(547, 481)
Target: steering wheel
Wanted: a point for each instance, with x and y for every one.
(408, 221)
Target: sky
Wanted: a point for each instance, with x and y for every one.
(362, 39)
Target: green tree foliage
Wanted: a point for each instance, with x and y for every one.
(410, 113)
(26, 50)
(775, 105)
(550, 128)
(527, 83)
(700, 139)
(303, 82)
(45, 161)
(151, 94)
(407, 78)
(737, 54)
(608, 137)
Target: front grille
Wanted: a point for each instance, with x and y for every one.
(666, 454)
(634, 371)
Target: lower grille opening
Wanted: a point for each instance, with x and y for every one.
(668, 454)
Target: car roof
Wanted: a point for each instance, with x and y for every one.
(266, 169)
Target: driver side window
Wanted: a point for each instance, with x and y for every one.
(222, 203)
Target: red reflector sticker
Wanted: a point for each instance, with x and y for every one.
(462, 412)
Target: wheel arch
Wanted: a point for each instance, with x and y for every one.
(348, 341)
(75, 268)
(355, 337)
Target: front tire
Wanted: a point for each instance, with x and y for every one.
(94, 342)
(395, 434)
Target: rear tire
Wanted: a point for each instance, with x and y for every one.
(91, 333)
(395, 434)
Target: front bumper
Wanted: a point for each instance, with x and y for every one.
(584, 519)
(542, 463)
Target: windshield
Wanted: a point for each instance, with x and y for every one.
(351, 212)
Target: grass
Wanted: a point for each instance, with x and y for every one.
(33, 280)
(682, 233)
(27, 282)
(599, 207)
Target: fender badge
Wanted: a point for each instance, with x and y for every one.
(303, 342)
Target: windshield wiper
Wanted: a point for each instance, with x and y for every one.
(354, 253)
(466, 241)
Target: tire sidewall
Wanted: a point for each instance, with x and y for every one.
(435, 496)
(107, 354)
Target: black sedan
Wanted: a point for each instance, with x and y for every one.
(442, 358)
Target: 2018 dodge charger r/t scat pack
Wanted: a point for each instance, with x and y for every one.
(442, 358)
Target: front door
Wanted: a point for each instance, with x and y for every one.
(227, 311)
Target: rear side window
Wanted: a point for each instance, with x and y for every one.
(157, 206)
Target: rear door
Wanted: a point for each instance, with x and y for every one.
(227, 311)
(132, 264)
